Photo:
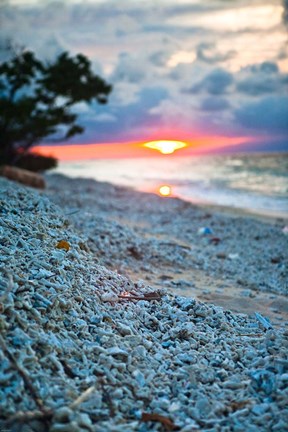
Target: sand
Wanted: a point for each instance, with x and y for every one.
(241, 266)
(96, 334)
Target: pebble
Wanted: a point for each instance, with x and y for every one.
(124, 330)
(177, 357)
(109, 297)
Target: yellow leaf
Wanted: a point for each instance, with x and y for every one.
(63, 244)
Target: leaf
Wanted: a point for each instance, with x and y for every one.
(134, 252)
(63, 244)
(238, 405)
(165, 421)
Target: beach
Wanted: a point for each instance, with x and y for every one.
(127, 311)
(241, 265)
(248, 182)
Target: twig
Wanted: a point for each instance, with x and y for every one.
(175, 244)
(82, 397)
(28, 416)
(165, 421)
(72, 212)
(102, 381)
(44, 413)
(137, 298)
(27, 381)
(108, 398)
(67, 369)
(251, 334)
(147, 297)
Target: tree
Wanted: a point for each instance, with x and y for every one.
(36, 100)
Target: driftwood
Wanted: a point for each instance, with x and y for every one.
(23, 176)
(165, 421)
(146, 296)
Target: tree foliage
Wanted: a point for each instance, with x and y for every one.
(36, 100)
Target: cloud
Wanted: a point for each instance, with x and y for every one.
(160, 58)
(214, 104)
(285, 11)
(124, 123)
(215, 83)
(254, 86)
(179, 64)
(232, 16)
(123, 94)
(105, 118)
(261, 79)
(129, 69)
(269, 114)
(208, 53)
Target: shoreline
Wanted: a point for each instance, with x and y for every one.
(103, 351)
(237, 211)
(262, 215)
(265, 197)
(195, 265)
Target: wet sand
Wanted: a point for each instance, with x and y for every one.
(241, 265)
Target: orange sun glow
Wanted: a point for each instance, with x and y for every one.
(122, 150)
(165, 146)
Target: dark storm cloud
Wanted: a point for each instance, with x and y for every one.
(267, 67)
(253, 87)
(269, 114)
(261, 79)
(214, 104)
(215, 83)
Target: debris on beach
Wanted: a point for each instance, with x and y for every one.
(142, 234)
(204, 231)
(63, 244)
(215, 240)
(149, 296)
(73, 359)
(23, 176)
(263, 321)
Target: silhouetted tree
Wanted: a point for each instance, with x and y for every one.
(36, 100)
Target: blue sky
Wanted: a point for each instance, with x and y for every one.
(179, 69)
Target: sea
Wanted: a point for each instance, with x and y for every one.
(257, 183)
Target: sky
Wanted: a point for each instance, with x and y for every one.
(200, 71)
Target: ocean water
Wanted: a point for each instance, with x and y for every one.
(254, 182)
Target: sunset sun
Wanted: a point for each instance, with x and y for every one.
(165, 146)
(165, 190)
